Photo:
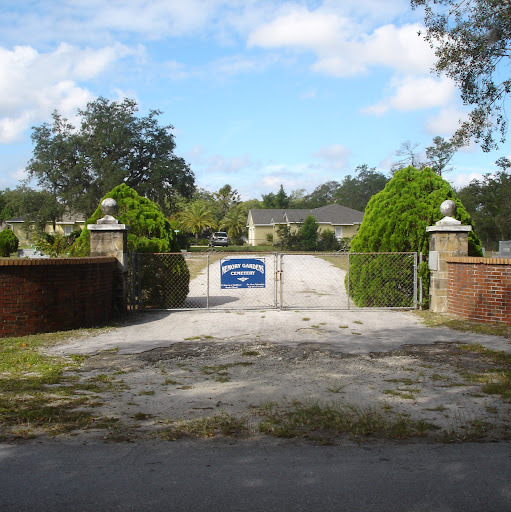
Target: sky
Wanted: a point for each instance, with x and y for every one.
(260, 92)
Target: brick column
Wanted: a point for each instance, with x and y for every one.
(448, 239)
(109, 238)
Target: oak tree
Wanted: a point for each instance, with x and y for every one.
(472, 41)
(111, 146)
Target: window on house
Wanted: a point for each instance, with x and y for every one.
(338, 231)
(68, 230)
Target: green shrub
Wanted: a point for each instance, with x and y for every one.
(53, 245)
(305, 238)
(8, 243)
(164, 285)
(309, 234)
(327, 241)
(164, 279)
(395, 220)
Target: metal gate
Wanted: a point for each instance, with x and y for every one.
(246, 281)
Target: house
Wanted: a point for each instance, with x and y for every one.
(263, 223)
(64, 227)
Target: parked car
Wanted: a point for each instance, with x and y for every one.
(219, 238)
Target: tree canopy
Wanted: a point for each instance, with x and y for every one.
(197, 216)
(472, 43)
(38, 207)
(488, 201)
(112, 146)
(278, 200)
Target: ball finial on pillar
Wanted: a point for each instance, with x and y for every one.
(109, 206)
(448, 208)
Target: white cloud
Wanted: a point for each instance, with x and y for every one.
(399, 48)
(414, 93)
(341, 44)
(463, 179)
(334, 156)
(220, 164)
(446, 121)
(301, 28)
(33, 84)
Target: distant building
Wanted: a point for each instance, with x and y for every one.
(343, 221)
(64, 227)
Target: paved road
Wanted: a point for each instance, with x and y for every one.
(254, 476)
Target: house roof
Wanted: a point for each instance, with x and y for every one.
(67, 218)
(264, 217)
(334, 214)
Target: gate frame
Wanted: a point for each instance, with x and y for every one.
(135, 287)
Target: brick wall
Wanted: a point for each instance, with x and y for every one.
(45, 295)
(480, 288)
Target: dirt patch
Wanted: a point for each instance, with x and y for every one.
(192, 381)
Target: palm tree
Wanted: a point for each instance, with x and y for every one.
(196, 217)
(235, 222)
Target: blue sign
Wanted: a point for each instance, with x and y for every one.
(242, 273)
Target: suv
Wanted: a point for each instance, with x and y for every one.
(219, 238)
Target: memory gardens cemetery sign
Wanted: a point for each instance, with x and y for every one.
(242, 273)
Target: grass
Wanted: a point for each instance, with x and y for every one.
(220, 373)
(203, 428)
(404, 394)
(435, 320)
(324, 423)
(37, 391)
(473, 430)
(495, 380)
(405, 381)
(250, 353)
(171, 381)
(336, 389)
(339, 261)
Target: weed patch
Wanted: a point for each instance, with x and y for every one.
(222, 424)
(250, 353)
(326, 422)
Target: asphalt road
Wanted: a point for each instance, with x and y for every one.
(254, 476)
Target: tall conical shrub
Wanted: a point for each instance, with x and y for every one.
(395, 220)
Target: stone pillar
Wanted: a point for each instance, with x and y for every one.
(109, 238)
(448, 238)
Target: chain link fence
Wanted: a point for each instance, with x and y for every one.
(243, 281)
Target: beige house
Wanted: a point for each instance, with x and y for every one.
(64, 227)
(262, 223)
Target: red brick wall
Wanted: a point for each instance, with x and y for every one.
(480, 288)
(45, 295)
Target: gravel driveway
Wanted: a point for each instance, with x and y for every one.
(172, 366)
(307, 281)
(185, 365)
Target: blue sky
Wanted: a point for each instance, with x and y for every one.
(260, 92)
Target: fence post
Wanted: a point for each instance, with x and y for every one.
(109, 238)
(448, 238)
